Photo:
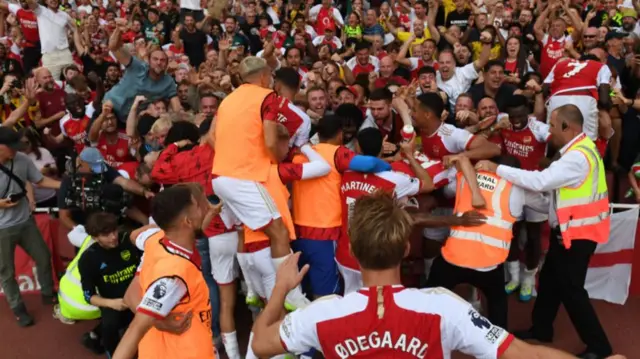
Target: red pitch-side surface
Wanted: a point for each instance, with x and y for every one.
(51, 339)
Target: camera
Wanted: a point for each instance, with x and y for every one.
(91, 193)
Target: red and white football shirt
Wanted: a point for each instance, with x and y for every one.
(393, 322)
(552, 51)
(417, 63)
(570, 76)
(115, 154)
(447, 140)
(355, 185)
(296, 121)
(75, 129)
(28, 24)
(435, 169)
(373, 65)
(528, 145)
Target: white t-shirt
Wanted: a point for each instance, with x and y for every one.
(459, 83)
(190, 4)
(42, 194)
(52, 28)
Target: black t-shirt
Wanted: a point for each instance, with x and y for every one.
(459, 19)
(502, 96)
(108, 272)
(194, 43)
(78, 215)
(91, 65)
(618, 64)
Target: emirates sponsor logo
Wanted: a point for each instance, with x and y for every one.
(519, 149)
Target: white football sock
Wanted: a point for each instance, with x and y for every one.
(295, 297)
(513, 268)
(230, 341)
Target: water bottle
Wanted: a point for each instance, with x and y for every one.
(407, 133)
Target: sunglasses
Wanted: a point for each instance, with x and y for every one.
(589, 36)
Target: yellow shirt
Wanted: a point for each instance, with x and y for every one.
(476, 46)
(405, 35)
(449, 6)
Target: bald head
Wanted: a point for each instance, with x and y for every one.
(44, 78)
(386, 66)
(599, 53)
(571, 115)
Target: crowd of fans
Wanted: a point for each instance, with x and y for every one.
(129, 91)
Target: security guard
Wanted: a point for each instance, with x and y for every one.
(72, 305)
(579, 217)
(106, 268)
(476, 255)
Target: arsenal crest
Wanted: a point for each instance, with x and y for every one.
(120, 152)
(526, 139)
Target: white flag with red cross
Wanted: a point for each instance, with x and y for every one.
(609, 273)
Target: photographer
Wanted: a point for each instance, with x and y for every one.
(95, 186)
(17, 225)
(106, 269)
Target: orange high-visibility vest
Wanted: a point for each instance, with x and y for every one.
(280, 195)
(239, 145)
(195, 343)
(316, 202)
(488, 244)
(583, 212)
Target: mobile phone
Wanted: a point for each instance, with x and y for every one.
(15, 197)
(213, 199)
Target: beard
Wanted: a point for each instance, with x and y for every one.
(77, 113)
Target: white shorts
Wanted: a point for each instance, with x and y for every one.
(352, 279)
(587, 105)
(258, 271)
(222, 251)
(441, 233)
(249, 201)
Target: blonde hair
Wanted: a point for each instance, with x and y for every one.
(163, 123)
(379, 231)
(250, 66)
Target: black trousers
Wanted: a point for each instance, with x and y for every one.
(112, 325)
(562, 282)
(31, 57)
(491, 284)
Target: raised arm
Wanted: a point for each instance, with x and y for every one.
(538, 26)
(116, 43)
(487, 41)
(402, 54)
